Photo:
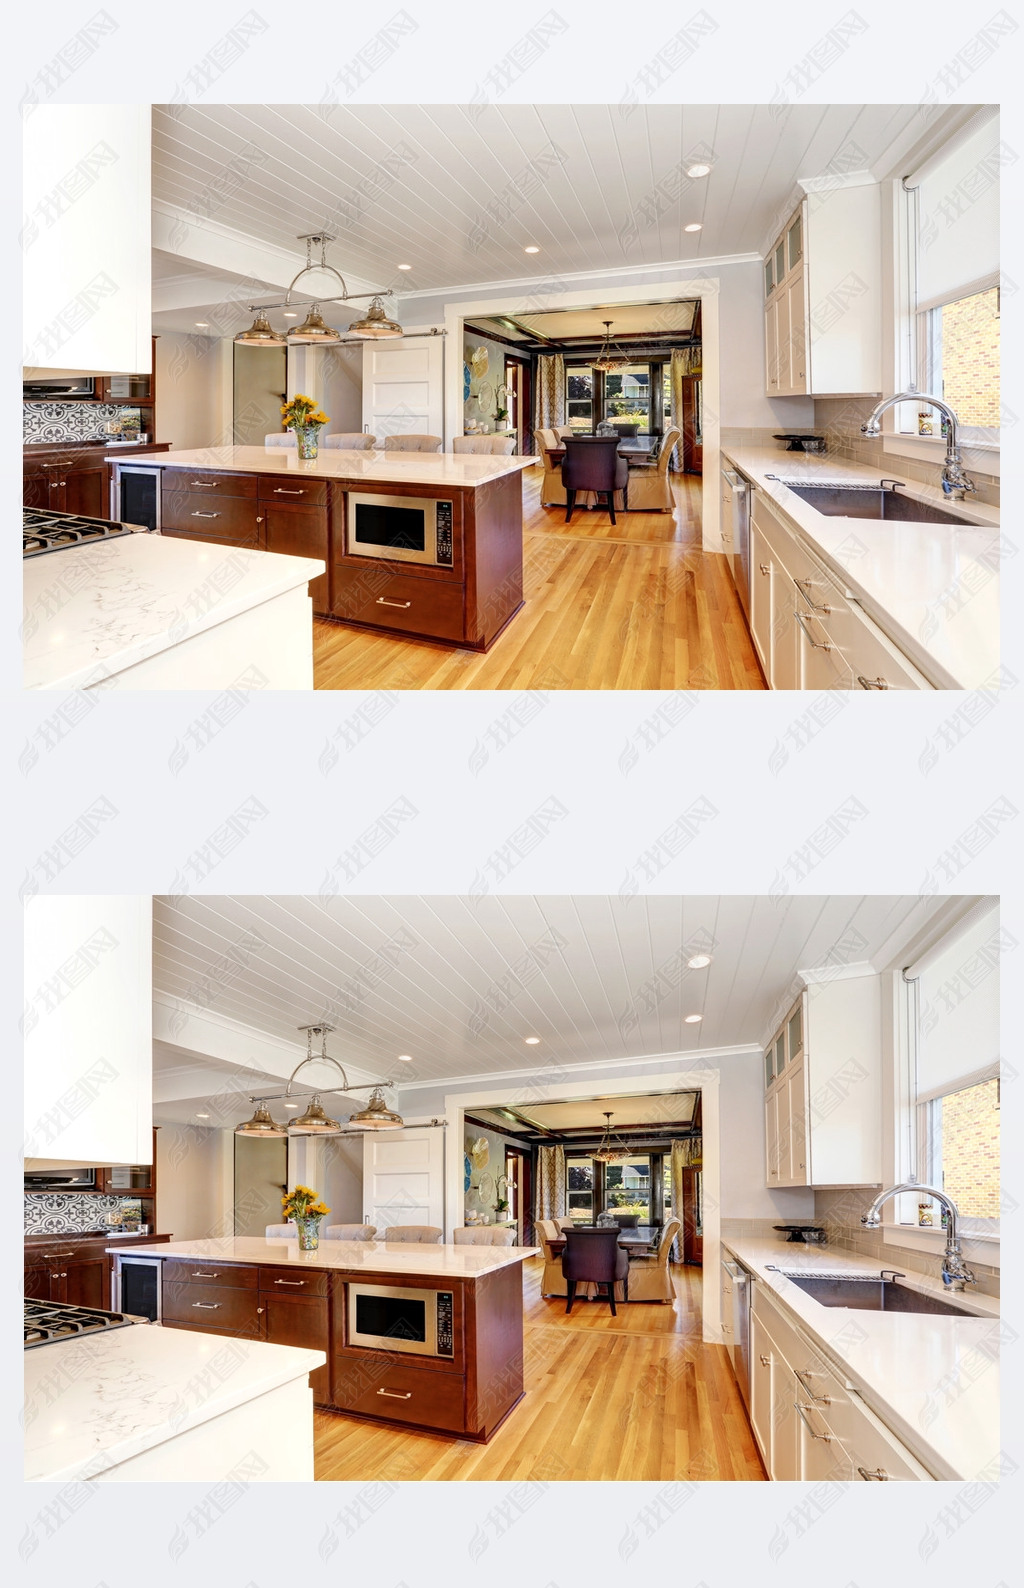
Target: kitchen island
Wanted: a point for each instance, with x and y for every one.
(147, 612)
(458, 1370)
(442, 561)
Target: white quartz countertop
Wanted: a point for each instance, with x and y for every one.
(94, 1402)
(368, 468)
(369, 1257)
(933, 1380)
(933, 588)
(93, 610)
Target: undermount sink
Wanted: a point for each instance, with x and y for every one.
(872, 1294)
(869, 501)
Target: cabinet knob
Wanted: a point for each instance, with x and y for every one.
(765, 1361)
(259, 521)
(259, 1309)
(764, 567)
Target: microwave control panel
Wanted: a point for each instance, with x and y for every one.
(444, 534)
(445, 1342)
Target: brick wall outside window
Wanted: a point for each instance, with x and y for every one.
(970, 1150)
(970, 358)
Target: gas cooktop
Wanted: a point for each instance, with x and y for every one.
(44, 530)
(47, 1321)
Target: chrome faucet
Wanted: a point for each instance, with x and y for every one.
(955, 1272)
(955, 480)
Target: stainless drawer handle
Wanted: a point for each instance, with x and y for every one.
(199, 1275)
(878, 1476)
(279, 490)
(289, 1281)
(804, 585)
(822, 1400)
(872, 683)
(819, 645)
(62, 1254)
(803, 1410)
(207, 1306)
(205, 485)
(382, 601)
(198, 514)
(396, 1395)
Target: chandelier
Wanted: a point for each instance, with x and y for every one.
(611, 356)
(314, 332)
(612, 1149)
(315, 1122)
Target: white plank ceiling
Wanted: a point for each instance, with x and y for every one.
(458, 193)
(460, 983)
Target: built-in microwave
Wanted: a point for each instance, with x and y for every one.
(399, 1318)
(400, 528)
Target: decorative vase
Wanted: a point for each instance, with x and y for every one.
(309, 1232)
(306, 439)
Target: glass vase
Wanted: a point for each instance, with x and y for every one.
(309, 1233)
(306, 440)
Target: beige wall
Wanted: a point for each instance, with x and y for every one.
(194, 1169)
(193, 391)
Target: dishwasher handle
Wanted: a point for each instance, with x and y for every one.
(736, 1273)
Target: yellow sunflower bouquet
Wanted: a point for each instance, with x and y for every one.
(307, 419)
(304, 1206)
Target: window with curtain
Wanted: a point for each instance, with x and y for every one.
(954, 233)
(954, 1040)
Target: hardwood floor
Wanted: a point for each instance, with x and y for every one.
(637, 605)
(635, 1397)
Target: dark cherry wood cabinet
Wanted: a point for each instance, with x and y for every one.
(297, 524)
(67, 480)
(76, 1269)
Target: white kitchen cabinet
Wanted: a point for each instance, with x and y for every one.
(823, 1117)
(823, 306)
(88, 1029)
(761, 596)
(87, 303)
(761, 1387)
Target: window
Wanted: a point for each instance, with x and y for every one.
(954, 1082)
(953, 234)
(579, 1189)
(579, 398)
(627, 395)
(627, 1187)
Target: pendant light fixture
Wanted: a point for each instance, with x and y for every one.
(315, 1122)
(611, 356)
(612, 1148)
(314, 331)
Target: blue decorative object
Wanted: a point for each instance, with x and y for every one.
(467, 381)
(467, 1172)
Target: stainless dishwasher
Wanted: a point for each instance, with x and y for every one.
(739, 491)
(742, 1284)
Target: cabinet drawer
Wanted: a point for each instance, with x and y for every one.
(208, 482)
(229, 519)
(399, 601)
(380, 1387)
(291, 492)
(875, 661)
(215, 1305)
(210, 1327)
(284, 1282)
(232, 1276)
(875, 1453)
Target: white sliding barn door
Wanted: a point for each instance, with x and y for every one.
(403, 386)
(403, 1177)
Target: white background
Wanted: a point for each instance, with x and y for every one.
(772, 775)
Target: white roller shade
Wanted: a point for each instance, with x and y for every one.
(958, 1007)
(958, 217)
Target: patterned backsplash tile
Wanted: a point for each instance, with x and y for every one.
(59, 422)
(70, 1212)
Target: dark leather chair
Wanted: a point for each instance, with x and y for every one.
(627, 1221)
(594, 1257)
(593, 464)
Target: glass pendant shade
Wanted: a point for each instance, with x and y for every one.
(313, 329)
(375, 323)
(611, 356)
(261, 1124)
(261, 333)
(377, 1115)
(611, 1150)
(314, 1122)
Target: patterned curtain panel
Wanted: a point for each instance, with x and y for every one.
(683, 1155)
(550, 1185)
(549, 401)
(681, 365)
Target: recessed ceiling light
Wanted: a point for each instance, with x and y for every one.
(531, 250)
(405, 267)
(531, 1041)
(694, 226)
(406, 1058)
(290, 314)
(291, 1105)
(692, 1020)
(202, 1116)
(697, 170)
(699, 961)
(203, 325)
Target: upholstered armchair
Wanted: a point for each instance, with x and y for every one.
(280, 1232)
(424, 1234)
(552, 1283)
(280, 438)
(552, 491)
(484, 1235)
(649, 1276)
(353, 441)
(649, 487)
(350, 1232)
(413, 443)
(502, 446)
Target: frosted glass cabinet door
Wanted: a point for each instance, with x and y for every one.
(88, 1029)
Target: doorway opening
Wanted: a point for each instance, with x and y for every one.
(259, 387)
(261, 1180)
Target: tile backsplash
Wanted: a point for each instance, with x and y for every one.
(59, 422)
(840, 1211)
(839, 419)
(70, 1212)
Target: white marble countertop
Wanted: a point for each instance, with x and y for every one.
(368, 468)
(933, 1380)
(369, 1257)
(94, 1402)
(932, 588)
(93, 610)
